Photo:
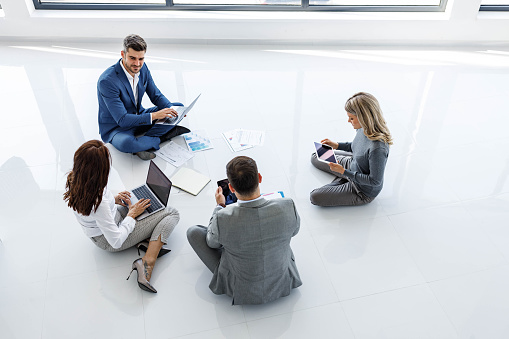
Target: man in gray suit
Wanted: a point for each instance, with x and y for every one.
(247, 244)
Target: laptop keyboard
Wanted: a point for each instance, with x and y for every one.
(179, 110)
(144, 193)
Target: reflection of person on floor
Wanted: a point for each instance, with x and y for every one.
(361, 163)
(109, 221)
(122, 119)
(247, 244)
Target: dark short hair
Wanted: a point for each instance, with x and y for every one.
(89, 176)
(242, 173)
(135, 42)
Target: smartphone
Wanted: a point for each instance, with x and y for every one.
(229, 196)
(324, 153)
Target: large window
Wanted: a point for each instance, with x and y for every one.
(299, 5)
(494, 5)
(110, 2)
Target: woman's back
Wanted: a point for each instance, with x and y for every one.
(369, 160)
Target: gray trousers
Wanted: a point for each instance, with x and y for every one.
(197, 237)
(341, 191)
(158, 224)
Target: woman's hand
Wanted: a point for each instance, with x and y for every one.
(138, 208)
(336, 168)
(122, 198)
(331, 143)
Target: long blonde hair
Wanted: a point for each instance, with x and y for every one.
(367, 109)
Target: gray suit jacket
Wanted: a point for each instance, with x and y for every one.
(257, 264)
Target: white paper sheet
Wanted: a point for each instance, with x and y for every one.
(174, 154)
(231, 141)
(250, 137)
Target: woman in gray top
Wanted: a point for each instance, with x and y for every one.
(361, 163)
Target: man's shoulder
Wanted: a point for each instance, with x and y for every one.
(109, 71)
(281, 204)
(144, 71)
(144, 68)
(279, 214)
(109, 75)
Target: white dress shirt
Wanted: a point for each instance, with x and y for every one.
(244, 201)
(133, 81)
(103, 222)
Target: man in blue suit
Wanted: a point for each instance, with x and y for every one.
(123, 122)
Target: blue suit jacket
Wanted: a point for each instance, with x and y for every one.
(117, 109)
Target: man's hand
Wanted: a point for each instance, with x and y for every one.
(220, 199)
(123, 198)
(332, 144)
(336, 168)
(164, 113)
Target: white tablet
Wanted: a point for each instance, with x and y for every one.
(324, 153)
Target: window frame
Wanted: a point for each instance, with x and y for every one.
(494, 8)
(303, 7)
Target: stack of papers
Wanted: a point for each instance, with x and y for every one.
(174, 154)
(241, 139)
(197, 141)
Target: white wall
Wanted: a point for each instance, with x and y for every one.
(460, 24)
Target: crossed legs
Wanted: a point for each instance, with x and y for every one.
(341, 191)
(128, 142)
(156, 227)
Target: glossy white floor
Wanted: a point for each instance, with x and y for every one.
(428, 258)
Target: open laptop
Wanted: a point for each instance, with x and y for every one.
(181, 111)
(157, 189)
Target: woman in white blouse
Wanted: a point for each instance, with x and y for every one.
(109, 221)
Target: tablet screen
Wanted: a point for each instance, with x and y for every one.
(325, 152)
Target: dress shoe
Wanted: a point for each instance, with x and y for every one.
(145, 155)
(177, 130)
(141, 272)
(143, 246)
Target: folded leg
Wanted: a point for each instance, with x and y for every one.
(197, 237)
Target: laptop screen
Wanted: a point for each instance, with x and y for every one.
(158, 183)
(186, 110)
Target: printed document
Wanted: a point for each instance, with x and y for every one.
(174, 154)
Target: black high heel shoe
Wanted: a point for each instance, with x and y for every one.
(143, 283)
(143, 246)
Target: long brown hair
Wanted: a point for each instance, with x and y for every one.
(368, 111)
(89, 176)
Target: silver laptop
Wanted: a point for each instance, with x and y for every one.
(181, 111)
(157, 189)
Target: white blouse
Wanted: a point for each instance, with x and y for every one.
(102, 221)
